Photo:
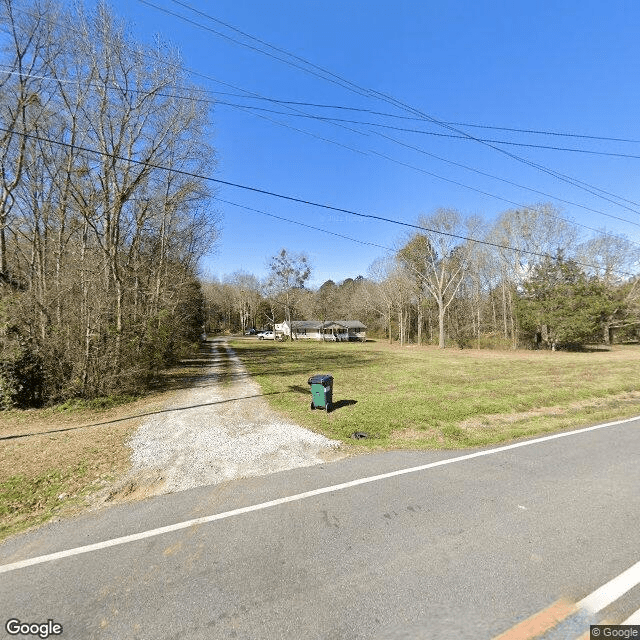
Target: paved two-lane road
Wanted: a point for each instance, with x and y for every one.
(465, 549)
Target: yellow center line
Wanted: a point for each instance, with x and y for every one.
(540, 622)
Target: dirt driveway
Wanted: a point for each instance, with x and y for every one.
(219, 429)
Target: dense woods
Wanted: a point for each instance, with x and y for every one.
(98, 249)
(531, 281)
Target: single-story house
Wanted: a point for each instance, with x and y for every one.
(340, 330)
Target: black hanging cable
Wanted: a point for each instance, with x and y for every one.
(299, 200)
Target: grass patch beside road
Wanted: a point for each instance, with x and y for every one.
(422, 397)
(52, 460)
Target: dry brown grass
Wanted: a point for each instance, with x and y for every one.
(52, 461)
(412, 435)
(611, 407)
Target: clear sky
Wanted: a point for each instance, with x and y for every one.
(565, 67)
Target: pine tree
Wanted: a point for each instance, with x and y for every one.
(560, 305)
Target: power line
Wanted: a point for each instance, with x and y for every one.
(250, 94)
(357, 122)
(257, 96)
(372, 93)
(515, 184)
(435, 133)
(296, 199)
(304, 224)
(342, 83)
(420, 131)
(253, 95)
(563, 134)
(389, 249)
(351, 86)
(517, 204)
(375, 153)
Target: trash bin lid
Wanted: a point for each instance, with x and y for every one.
(321, 378)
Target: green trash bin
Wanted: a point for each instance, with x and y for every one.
(321, 391)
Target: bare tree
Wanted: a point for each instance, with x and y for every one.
(27, 34)
(531, 230)
(288, 273)
(380, 292)
(325, 302)
(440, 258)
(102, 216)
(246, 297)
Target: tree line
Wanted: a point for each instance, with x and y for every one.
(103, 222)
(98, 251)
(528, 279)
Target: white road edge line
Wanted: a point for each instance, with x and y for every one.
(634, 618)
(611, 591)
(294, 498)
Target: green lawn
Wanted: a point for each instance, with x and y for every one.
(421, 397)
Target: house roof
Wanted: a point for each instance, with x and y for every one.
(352, 324)
(332, 324)
(306, 324)
(329, 324)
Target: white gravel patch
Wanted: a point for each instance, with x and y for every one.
(222, 429)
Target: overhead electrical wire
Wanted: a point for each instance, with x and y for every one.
(340, 82)
(399, 162)
(374, 244)
(379, 113)
(368, 93)
(304, 224)
(253, 95)
(193, 72)
(332, 120)
(430, 133)
(515, 184)
(503, 199)
(329, 76)
(298, 200)
(416, 119)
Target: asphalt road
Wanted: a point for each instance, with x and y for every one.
(462, 550)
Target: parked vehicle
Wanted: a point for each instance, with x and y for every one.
(266, 335)
(250, 332)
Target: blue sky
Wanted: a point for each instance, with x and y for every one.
(569, 67)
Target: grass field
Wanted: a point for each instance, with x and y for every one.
(421, 397)
(52, 460)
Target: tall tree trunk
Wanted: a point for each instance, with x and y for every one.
(441, 310)
(514, 324)
(3, 249)
(504, 310)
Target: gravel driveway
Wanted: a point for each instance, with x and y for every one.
(219, 429)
